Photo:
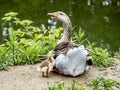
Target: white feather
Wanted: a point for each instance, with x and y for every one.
(74, 62)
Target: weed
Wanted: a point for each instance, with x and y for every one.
(101, 57)
(79, 36)
(100, 83)
(74, 87)
(61, 86)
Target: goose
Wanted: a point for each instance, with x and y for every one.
(70, 59)
(46, 66)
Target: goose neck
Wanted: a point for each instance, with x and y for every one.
(67, 32)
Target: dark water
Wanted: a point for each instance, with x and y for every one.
(99, 18)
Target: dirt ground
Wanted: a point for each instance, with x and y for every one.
(28, 78)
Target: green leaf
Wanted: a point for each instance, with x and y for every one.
(11, 14)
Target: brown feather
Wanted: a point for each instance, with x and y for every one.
(44, 63)
(64, 47)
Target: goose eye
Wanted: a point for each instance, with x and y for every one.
(61, 14)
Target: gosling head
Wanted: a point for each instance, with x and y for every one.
(51, 54)
(61, 16)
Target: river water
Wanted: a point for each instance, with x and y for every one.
(100, 19)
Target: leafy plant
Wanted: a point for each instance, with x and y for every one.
(61, 86)
(101, 57)
(74, 87)
(79, 36)
(25, 42)
(4, 57)
(100, 83)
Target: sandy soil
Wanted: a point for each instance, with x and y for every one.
(27, 78)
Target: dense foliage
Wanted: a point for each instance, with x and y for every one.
(101, 57)
(25, 42)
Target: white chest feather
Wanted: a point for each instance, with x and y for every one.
(74, 62)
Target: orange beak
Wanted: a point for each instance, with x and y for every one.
(54, 14)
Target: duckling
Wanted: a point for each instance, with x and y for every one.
(46, 66)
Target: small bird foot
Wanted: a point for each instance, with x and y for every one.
(43, 74)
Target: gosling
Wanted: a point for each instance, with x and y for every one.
(47, 65)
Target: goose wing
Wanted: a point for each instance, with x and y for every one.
(64, 47)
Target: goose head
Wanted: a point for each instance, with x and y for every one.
(61, 16)
(67, 26)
